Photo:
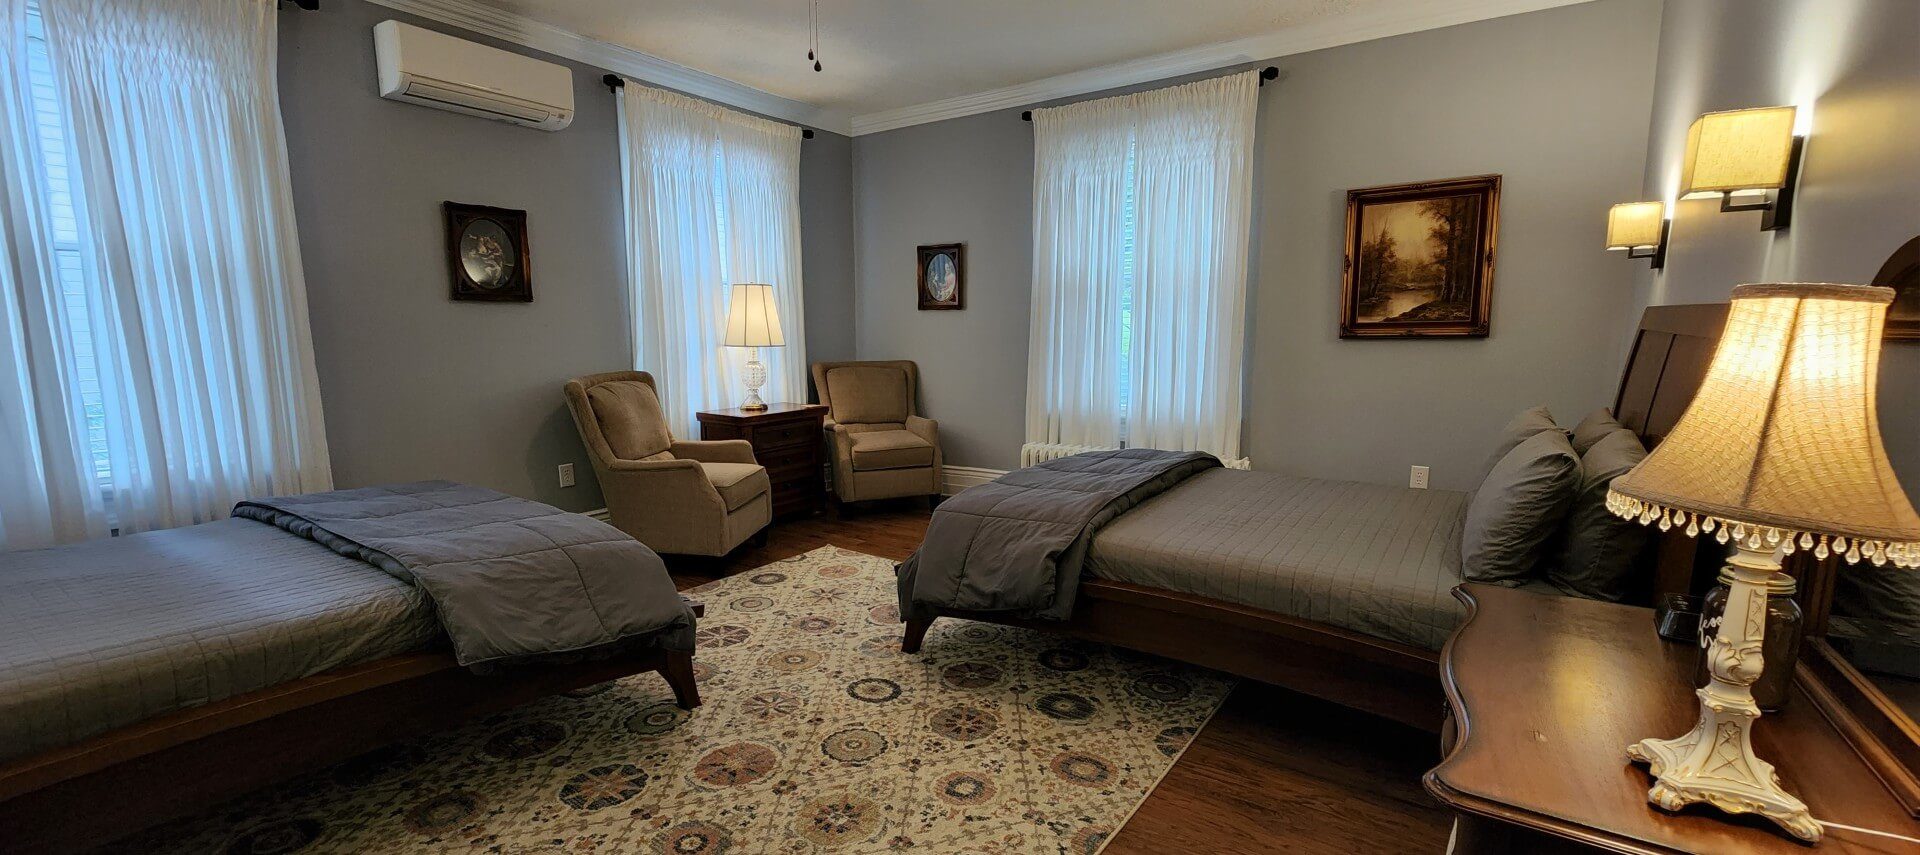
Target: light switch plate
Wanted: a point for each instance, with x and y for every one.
(566, 474)
(1418, 479)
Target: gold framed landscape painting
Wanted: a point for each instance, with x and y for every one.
(1420, 259)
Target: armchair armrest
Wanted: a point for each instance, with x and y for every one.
(714, 451)
(925, 428)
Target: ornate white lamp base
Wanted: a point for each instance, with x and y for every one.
(754, 376)
(1714, 764)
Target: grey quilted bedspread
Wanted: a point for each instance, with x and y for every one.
(104, 634)
(511, 579)
(1018, 543)
(1374, 559)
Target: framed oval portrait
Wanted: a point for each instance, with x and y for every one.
(941, 279)
(487, 253)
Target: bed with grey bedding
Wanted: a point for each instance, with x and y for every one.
(101, 635)
(1378, 560)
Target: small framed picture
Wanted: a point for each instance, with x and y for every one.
(943, 276)
(1420, 259)
(487, 253)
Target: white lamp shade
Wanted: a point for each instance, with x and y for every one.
(752, 320)
(1738, 150)
(1781, 446)
(1633, 225)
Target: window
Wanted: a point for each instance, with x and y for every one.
(55, 161)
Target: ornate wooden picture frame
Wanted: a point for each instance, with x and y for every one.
(1419, 259)
(941, 279)
(487, 254)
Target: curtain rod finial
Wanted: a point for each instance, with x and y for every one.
(1026, 115)
(1269, 73)
(613, 82)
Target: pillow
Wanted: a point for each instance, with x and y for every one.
(1593, 428)
(1517, 508)
(1597, 550)
(1518, 430)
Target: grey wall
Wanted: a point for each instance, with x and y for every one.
(1854, 64)
(417, 386)
(1556, 101)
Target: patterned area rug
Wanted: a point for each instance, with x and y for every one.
(816, 735)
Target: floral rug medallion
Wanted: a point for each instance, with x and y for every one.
(817, 735)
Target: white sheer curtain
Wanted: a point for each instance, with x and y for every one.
(1193, 191)
(155, 266)
(1142, 206)
(712, 198)
(1081, 206)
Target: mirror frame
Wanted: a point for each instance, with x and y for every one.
(1883, 735)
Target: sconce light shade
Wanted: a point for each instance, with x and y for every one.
(1738, 150)
(1635, 225)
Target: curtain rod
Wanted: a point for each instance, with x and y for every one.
(614, 82)
(1266, 74)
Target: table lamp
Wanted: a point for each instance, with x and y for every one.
(753, 323)
(1779, 452)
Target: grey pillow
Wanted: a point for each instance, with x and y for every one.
(1518, 430)
(1593, 428)
(1517, 508)
(1598, 552)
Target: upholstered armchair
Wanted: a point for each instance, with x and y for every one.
(881, 447)
(676, 496)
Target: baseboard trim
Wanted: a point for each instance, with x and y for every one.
(957, 478)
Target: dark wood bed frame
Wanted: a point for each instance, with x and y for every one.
(119, 782)
(1664, 369)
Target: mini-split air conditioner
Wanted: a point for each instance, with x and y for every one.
(420, 66)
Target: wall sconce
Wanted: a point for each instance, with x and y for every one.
(1745, 153)
(1639, 228)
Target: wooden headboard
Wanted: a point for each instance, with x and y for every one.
(1668, 361)
(1666, 365)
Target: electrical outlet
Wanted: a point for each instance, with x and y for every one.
(1418, 479)
(566, 474)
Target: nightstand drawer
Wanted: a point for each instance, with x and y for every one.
(782, 460)
(781, 436)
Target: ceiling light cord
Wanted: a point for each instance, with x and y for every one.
(813, 35)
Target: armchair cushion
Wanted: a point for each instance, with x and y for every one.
(889, 449)
(867, 394)
(630, 418)
(737, 483)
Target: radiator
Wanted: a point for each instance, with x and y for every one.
(1040, 452)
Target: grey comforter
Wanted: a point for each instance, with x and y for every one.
(107, 633)
(1017, 544)
(510, 578)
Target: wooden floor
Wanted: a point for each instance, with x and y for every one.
(1274, 771)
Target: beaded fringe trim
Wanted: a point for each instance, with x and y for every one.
(1757, 536)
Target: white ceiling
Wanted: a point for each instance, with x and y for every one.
(891, 63)
(882, 54)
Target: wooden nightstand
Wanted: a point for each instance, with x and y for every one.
(1546, 693)
(787, 440)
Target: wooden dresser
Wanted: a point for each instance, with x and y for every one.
(1546, 693)
(787, 440)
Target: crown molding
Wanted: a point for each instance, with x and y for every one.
(1387, 18)
(626, 62)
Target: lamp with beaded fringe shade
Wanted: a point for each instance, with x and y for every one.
(1780, 451)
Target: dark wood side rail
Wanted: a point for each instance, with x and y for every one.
(172, 765)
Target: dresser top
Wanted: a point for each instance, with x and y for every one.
(1547, 693)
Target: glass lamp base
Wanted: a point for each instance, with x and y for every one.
(753, 377)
